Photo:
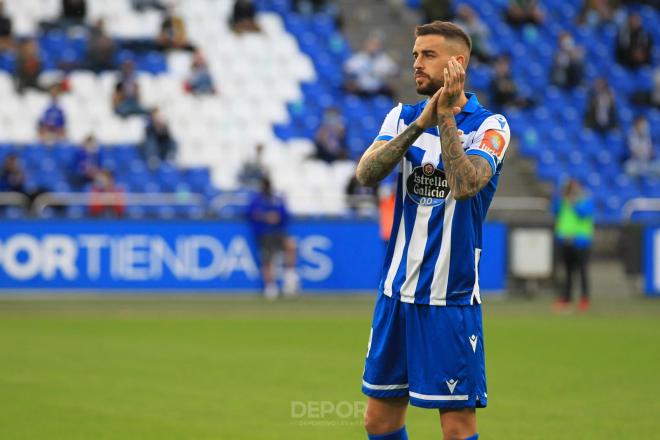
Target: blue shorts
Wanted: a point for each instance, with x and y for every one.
(432, 354)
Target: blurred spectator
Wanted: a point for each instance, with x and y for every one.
(437, 10)
(12, 177)
(361, 200)
(254, 170)
(106, 199)
(309, 7)
(596, 12)
(477, 30)
(574, 229)
(73, 12)
(159, 145)
(28, 66)
(173, 32)
(633, 43)
(330, 138)
(199, 81)
(522, 12)
(386, 206)
(243, 17)
(649, 97)
(6, 41)
(52, 124)
(504, 91)
(86, 164)
(601, 109)
(126, 98)
(101, 48)
(568, 63)
(141, 5)
(655, 93)
(269, 219)
(369, 71)
(641, 160)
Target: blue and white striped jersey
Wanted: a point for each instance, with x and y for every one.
(435, 245)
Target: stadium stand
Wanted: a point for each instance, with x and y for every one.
(552, 133)
(273, 87)
(258, 76)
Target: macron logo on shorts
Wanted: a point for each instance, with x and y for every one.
(451, 384)
(473, 342)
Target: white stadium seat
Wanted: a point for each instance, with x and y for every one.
(256, 74)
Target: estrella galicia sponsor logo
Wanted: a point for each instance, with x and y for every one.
(427, 185)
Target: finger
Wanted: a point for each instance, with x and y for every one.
(446, 72)
(460, 68)
(456, 71)
(449, 81)
(461, 72)
(456, 110)
(432, 104)
(452, 67)
(453, 75)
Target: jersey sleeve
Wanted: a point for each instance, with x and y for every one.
(390, 125)
(491, 140)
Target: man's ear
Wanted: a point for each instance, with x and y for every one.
(463, 59)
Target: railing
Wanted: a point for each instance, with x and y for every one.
(362, 202)
(115, 199)
(223, 201)
(639, 204)
(14, 199)
(540, 204)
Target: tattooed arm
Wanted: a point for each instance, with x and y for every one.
(466, 174)
(382, 156)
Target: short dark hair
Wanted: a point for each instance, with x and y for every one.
(445, 28)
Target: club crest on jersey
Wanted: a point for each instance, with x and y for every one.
(427, 185)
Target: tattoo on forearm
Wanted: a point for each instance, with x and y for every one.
(466, 175)
(376, 164)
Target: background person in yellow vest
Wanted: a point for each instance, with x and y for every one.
(574, 229)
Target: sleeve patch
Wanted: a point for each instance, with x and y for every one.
(493, 142)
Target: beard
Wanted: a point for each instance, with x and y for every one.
(429, 87)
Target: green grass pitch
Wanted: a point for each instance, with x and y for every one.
(239, 368)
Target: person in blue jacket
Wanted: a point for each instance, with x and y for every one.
(269, 218)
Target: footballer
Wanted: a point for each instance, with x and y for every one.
(426, 346)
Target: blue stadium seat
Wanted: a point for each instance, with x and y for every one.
(54, 42)
(284, 132)
(12, 212)
(76, 211)
(323, 25)
(135, 212)
(8, 62)
(198, 179)
(168, 177)
(124, 55)
(531, 140)
(479, 78)
(190, 212)
(153, 62)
